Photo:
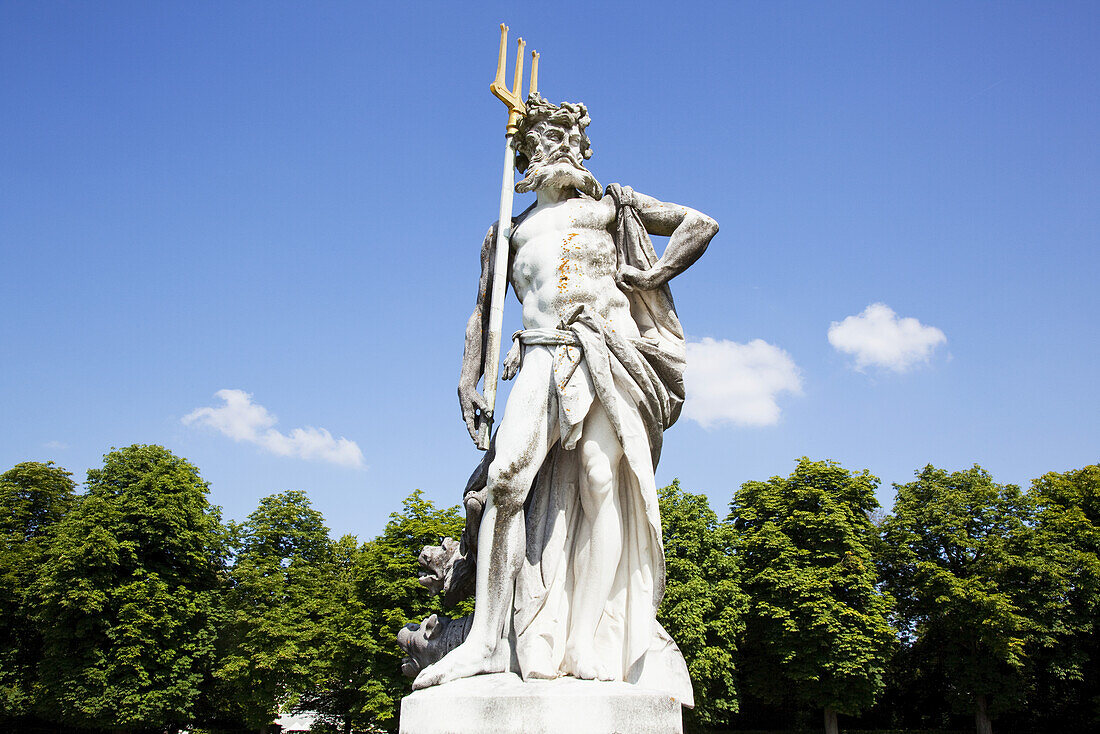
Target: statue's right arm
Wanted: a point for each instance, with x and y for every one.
(477, 330)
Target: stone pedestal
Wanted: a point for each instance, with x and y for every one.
(503, 704)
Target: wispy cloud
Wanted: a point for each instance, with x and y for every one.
(243, 420)
(56, 445)
(732, 383)
(879, 338)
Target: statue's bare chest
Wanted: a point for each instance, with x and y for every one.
(565, 216)
(571, 234)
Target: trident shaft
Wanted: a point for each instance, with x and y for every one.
(513, 99)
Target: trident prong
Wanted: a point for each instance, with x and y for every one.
(513, 98)
(499, 81)
(534, 72)
(517, 77)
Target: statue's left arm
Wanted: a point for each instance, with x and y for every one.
(689, 233)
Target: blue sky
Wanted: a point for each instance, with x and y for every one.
(287, 200)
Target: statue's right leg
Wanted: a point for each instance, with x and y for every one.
(527, 431)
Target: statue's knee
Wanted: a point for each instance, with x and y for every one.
(501, 470)
(504, 480)
(501, 473)
(508, 499)
(599, 475)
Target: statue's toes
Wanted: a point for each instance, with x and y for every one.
(428, 677)
(586, 665)
(585, 673)
(541, 675)
(585, 670)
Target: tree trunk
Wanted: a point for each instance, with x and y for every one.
(981, 717)
(830, 721)
(347, 724)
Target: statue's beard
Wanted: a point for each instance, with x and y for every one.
(560, 174)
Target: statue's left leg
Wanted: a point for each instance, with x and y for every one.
(599, 545)
(527, 431)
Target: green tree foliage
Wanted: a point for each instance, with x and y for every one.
(34, 497)
(816, 629)
(117, 609)
(349, 692)
(977, 590)
(128, 593)
(387, 579)
(1067, 674)
(703, 605)
(278, 609)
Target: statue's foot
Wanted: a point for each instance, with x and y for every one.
(584, 663)
(469, 658)
(541, 675)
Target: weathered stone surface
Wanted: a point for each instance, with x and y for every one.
(429, 641)
(502, 702)
(562, 545)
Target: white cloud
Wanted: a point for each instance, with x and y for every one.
(878, 338)
(242, 420)
(58, 445)
(728, 382)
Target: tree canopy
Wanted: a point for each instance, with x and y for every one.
(34, 497)
(703, 604)
(278, 609)
(132, 607)
(349, 692)
(1066, 671)
(389, 586)
(128, 592)
(977, 592)
(816, 629)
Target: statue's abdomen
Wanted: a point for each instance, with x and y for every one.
(557, 271)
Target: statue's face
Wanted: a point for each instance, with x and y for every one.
(555, 159)
(547, 143)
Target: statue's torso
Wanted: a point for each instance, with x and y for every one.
(563, 257)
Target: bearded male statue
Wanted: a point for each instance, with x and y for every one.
(562, 514)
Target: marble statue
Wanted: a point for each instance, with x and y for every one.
(562, 548)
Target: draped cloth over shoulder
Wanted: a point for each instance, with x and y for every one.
(639, 381)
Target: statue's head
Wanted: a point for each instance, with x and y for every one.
(551, 147)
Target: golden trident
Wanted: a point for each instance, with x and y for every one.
(513, 99)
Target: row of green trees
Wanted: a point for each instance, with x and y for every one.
(134, 606)
(970, 598)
